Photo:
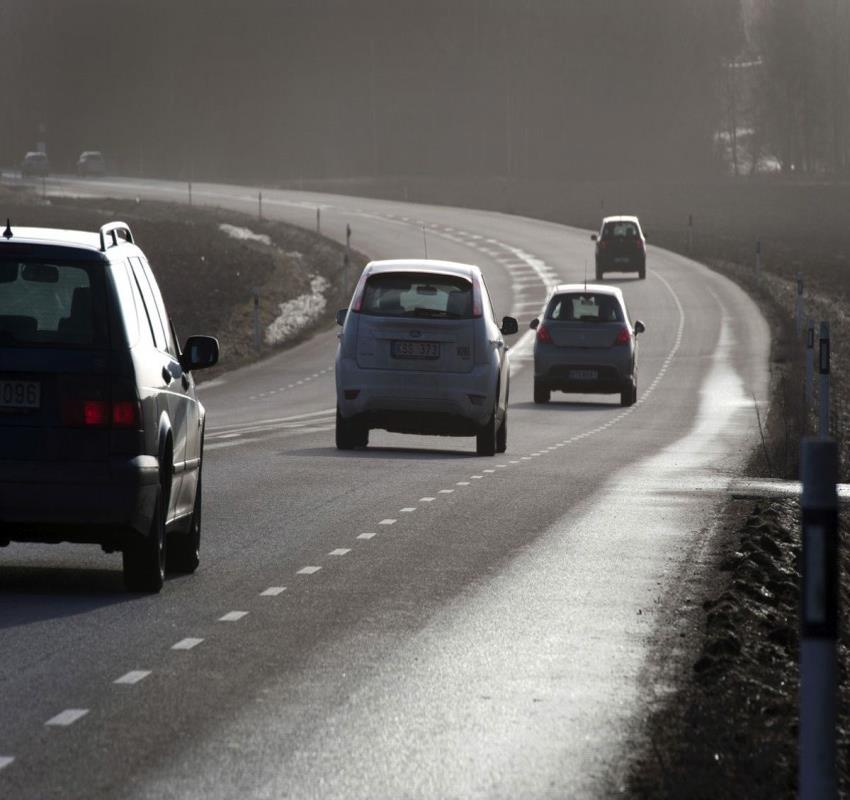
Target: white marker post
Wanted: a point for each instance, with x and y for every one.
(810, 363)
(257, 341)
(818, 621)
(690, 233)
(347, 258)
(259, 205)
(190, 192)
(758, 259)
(318, 220)
(798, 306)
(823, 388)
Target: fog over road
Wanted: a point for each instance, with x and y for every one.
(451, 625)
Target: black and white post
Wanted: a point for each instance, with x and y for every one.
(818, 621)
(758, 259)
(257, 341)
(318, 220)
(798, 305)
(810, 363)
(259, 205)
(690, 234)
(347, 258)
(823, 387)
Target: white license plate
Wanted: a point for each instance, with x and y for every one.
(584, 374)
(20, 394)
(402, 349)
(622, 260)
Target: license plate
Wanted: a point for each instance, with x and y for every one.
(20, 394)
(622, 260)
(402, 349)
(584, 374)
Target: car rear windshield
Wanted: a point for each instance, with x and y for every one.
(619, 230)
(47, 303)
(409, 294)
(578, 307)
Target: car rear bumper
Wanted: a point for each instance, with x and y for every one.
(448, 400)
(96, 502)
(565, 369)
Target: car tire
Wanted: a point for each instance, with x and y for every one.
(502, 435)
(184, 548)
(541, 393)
(350, 434)
(628, 396)
(642, 272)
(144, 556)
(485, 440)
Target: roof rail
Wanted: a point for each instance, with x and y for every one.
(115, 230)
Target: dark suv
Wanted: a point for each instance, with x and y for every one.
(101, 430)
(620, 247)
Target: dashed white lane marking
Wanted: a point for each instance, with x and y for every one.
(488, 471)
(340, 551)
(5, 761)
(445, 491)
(476, 477)
(134, 676)
(308, 570)
(462, 483)
(233, 616)
(272, 591)
(186, 644)
(501, 466)
(366, 535)
(67, 717)
(387, 522)
(513, 462)
(229, 435)
(407, 510)
(426, 499)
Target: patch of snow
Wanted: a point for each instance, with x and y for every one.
(244, 234)
(296, 315)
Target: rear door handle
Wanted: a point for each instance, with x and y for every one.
(167, 376)
(185, 381)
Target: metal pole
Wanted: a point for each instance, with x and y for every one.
(758, 259)
(818, 621)
(798, 307)
(690, 233)
(190, 192)
(260, 205)
(810, 363)
(823, 388)
(257, 341)
(347, 260)
(318, 220)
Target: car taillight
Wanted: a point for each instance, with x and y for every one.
(86, 412)
(359, 291)
(477, 307)
(624, 336)
(126, 414)
(543, 335)
(601, 245)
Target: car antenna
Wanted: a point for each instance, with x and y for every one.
(425, 240)
(7, 234)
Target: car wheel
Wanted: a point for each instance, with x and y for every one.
(184, 548)
(144, 556)
(485, 440)
(350, 434)
(502, 435)
(541, 393)
(628, 396)
(642, 272)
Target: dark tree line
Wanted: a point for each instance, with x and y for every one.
(313, 88)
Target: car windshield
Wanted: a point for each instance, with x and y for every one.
(47, 303)
(589, 307)
(408, 294)
(619, 230)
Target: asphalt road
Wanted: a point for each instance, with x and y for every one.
(413, 620)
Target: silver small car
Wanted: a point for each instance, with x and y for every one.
(421, 352)
(586, 344)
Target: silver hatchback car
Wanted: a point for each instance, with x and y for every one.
(586, 344)
(420, 352)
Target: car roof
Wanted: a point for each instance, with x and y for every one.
(35, 154)
(91, 153)
(72, 243)
(587, 288)
(423, 265)
(621, 218)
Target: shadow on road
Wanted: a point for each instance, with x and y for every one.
(384, 453)
(33, 594)
(567, 405)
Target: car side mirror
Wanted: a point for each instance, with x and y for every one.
(509, 326)
(593, 237)
(341, 315)
(199, 352)
(533, 324)
(639, 327)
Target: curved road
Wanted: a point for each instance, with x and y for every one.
(413, 620)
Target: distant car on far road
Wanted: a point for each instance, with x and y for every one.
(585, 343)
(91, 163)
(620, 247)
(35, 165)
(421, 352)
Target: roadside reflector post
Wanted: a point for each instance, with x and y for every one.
(690, 233)
(758, 259)
(823, 387)
(259, 205)
(257, 341)
(347, 258)
(798, 306)
(190, 192)
(818, 620)
(318, 220)
(810, 363)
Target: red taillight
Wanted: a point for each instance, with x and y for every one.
(543, 335)
(359, 291)
(477, 307)
(95, 413)
(624, 336)
(126, 414)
